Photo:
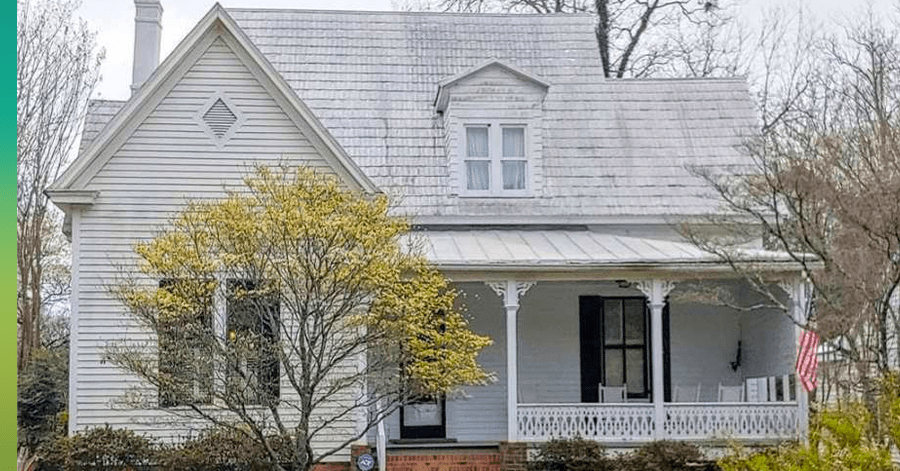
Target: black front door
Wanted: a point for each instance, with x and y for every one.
(424, 418)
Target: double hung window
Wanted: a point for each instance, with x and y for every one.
(184, 330)
(495, 160)
(615, 346)
(252, 327)
(625, 344)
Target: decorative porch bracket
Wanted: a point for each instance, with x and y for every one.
(799, 291)
(656, 292)
(510, 291)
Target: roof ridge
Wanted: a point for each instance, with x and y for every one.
(98, 101)
(737, 78)
(413, 13)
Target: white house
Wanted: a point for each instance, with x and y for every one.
(547, 193)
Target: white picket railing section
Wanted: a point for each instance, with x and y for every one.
(634, 422)
(734, 420)
(604, 422)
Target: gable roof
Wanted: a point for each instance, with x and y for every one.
(613, 150)
(98, 148)
(442, 97)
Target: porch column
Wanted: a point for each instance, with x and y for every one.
(510, 291)
(799, 292)
(656, 292)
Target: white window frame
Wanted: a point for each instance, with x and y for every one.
(495, 157)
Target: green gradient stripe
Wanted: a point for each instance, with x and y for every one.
(8, 242)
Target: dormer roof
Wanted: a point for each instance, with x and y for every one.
(444, 86)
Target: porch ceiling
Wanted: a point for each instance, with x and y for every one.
(576, 250)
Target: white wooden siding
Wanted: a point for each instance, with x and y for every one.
(703, 342)
(167, 160)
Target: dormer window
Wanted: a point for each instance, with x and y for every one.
(492, 121)
(496, 162)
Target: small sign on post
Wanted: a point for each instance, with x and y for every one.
(365, 462)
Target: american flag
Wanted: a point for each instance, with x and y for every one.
(807, 361)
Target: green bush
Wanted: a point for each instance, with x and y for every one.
(840, 439)
(41, 398)
(574, 454)
(223, 450)
(663, 455)
(103, 448)
(578, 454)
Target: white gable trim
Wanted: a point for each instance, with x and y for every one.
(216, 24)
(443, 97)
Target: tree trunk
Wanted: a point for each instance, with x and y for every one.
(603, 35)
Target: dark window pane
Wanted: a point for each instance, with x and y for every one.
(634, 370)
(614, 368)
(634, 322)
(252, 330)
(185, 367)
(612, 322)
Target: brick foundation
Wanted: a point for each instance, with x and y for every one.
(505, 457)
(514, 456)
(332, 466)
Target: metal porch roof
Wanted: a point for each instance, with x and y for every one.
(512, 249)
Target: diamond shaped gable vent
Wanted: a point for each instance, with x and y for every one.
(219, 118)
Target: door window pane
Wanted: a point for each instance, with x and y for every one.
(513, 142)
(612, 322)
(478, 175)
(513, 174)
(477, 142)
(634, 364)
(426, 413)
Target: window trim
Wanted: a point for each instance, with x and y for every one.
(495, 158)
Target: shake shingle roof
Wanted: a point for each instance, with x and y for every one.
(610, 147)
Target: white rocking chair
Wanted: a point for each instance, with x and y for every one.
(611, 394)
(687, 394)
(731, 393)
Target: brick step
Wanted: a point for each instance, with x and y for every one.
(443, 460)
(488, 456)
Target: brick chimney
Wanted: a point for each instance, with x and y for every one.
(147, 33)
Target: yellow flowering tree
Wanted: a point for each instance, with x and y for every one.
(290, 308)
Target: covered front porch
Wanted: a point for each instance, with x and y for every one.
(691, 370)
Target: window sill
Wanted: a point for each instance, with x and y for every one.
(504, 196)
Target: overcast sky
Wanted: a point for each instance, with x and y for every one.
(113, 20)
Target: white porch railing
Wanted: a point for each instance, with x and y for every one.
(635, 422)
(610, 422)
(735, 420)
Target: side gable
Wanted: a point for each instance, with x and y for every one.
(216, 28)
